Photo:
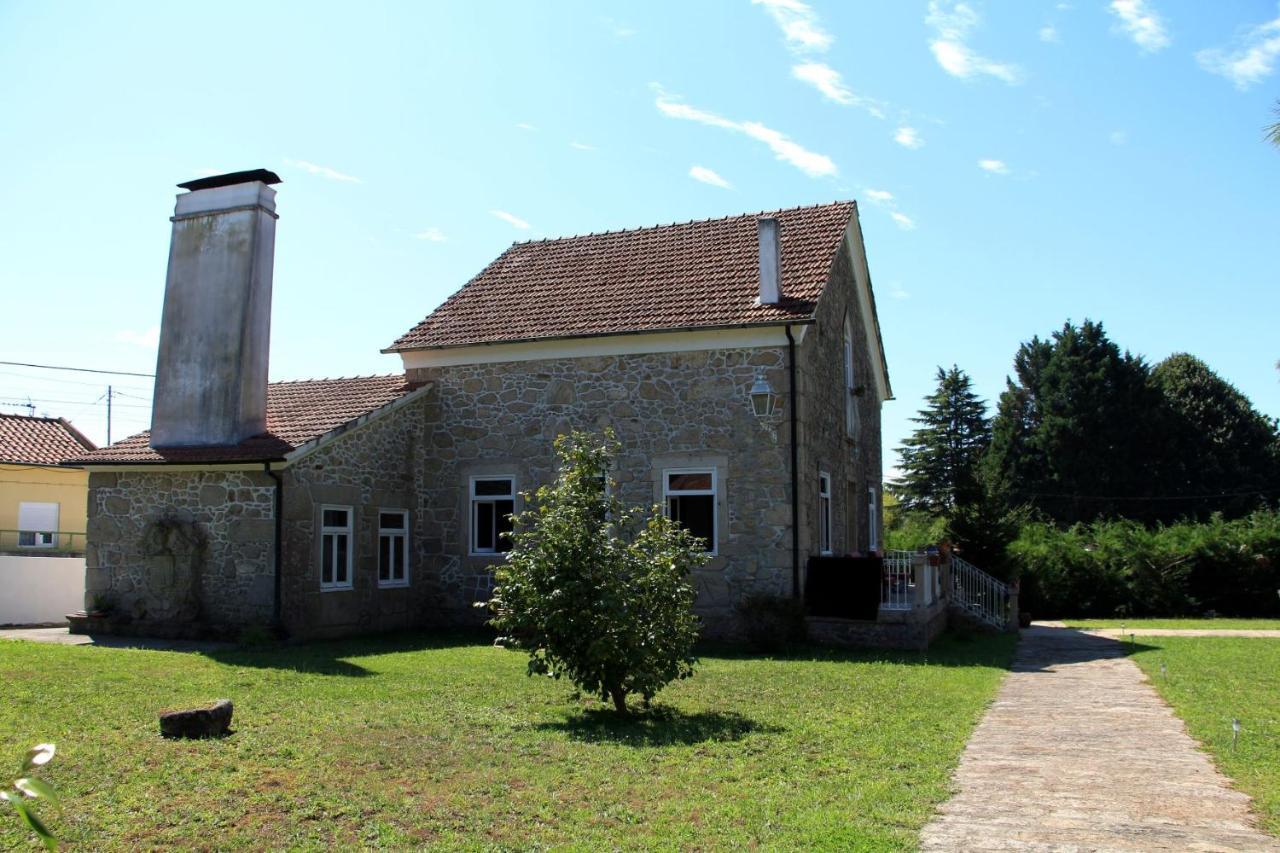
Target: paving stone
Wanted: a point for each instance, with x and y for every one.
(1078, 752)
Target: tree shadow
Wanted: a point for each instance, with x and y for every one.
(660, 725)
(335, 657)
(1044, 648)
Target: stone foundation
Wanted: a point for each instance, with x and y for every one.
(894, 629)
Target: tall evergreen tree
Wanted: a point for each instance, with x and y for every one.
(1078, 432)
(1220, 444)
(940, 459)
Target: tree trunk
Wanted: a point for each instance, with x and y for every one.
(619, 697)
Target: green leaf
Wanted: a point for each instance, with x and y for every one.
(38, 788)
(34, 823)
(39, 755)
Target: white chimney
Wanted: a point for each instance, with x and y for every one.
(215, 333)
(770, 261)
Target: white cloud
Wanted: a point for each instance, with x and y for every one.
(908, 137)
(322, 171)
(1118, 137)
(1141, 23)
(582, 146)
(707, 176)
(896, 291)
(951, 23)
(828, 81)
(995, 167)
(799, 24)
(825, 79)
(511, 219)
(147, 339)
(879, 196)
(431, 234)
(1049, 33)
(1253, 59)
(524, 125)
(813, 164)
(906, 223)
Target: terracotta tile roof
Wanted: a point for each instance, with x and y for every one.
(297, 412)
(27, 440)
(702, 274)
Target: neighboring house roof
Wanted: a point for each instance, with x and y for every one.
(27, 440)
(297, 413)
(703, 274)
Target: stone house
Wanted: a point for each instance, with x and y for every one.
(739, 361)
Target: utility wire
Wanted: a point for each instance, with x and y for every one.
(78, 369)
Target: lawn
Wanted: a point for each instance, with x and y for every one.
(1212, 680)
(1209, 624)
(413, 740)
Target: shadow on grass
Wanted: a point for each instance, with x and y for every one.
(958, 649)
(660, 725)
(340, 657)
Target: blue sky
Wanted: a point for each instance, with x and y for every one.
(1016, 163)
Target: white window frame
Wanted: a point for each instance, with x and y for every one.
(873, 543)
(31, 537)
(824, 513)
(714, 492)
(393, 533)
(326, 531)
(473, 503)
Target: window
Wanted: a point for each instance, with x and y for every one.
(37, 525)
(393, 547)
(335, 547)
(871, 520)
(493, 499)
(690, 497)
(824, 513)
(850, 388)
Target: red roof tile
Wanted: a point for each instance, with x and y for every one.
(297, 412)
(702, 274)
(26, 440)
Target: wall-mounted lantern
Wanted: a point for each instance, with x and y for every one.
(763, 398)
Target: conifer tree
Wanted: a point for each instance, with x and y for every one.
(940, 459)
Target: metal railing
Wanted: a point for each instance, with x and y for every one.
(978, 593)
(897, 589)
(42, 543)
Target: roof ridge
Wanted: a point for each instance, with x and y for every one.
(335, 379)
(707, 219)
(30, 417)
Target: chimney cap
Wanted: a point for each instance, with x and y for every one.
(231, 178)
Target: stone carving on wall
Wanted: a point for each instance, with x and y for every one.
(174, 552)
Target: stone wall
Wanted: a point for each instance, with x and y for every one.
(181, 552)
(854, 465)
(687, 409)
(372, 468)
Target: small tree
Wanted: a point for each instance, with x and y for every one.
(595, 591)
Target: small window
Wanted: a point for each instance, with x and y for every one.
(37, 525)
(335, 547)
(824, 513)
(690, 497)
(493, 500)
(393, 547)
(871, 520)
(851, 424)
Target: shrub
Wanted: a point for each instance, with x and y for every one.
(1120, 568)
(595, 591)
(772, 623)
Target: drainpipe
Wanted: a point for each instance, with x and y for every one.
(279, 519)
(795, 473)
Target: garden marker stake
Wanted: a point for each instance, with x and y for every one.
(1235, 732)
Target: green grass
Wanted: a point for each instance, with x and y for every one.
(1232, 624)
(1214, 679)
(415, 741)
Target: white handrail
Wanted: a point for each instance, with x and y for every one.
(978, 593)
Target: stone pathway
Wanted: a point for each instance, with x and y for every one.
(1079, 753)
(61, 636)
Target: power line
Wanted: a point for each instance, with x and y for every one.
(97, 384)
(23, 402)
(78, 369)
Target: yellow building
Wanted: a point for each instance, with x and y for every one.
(42, 504)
